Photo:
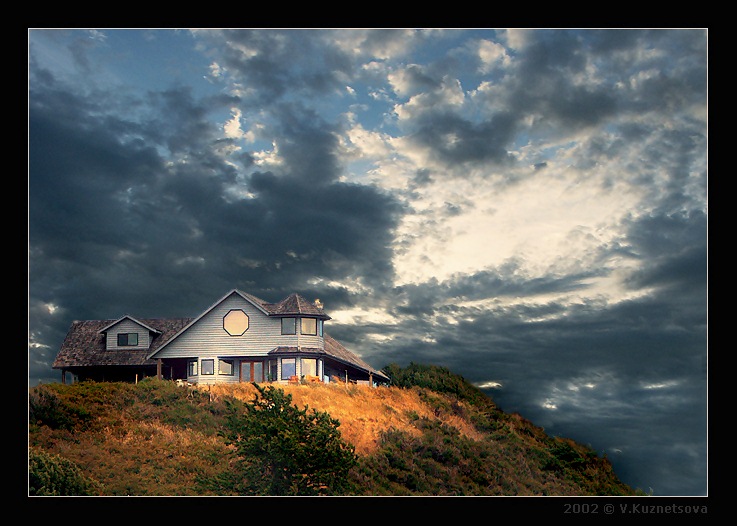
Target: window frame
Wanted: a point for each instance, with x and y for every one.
(302, 362)
(236, 328)
(293, 328)
(207, 364)
(285, 376)
(302, 326)
(127, 336)
(225, 361)
(192, 368)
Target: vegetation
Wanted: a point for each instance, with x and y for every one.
(429, 433)
(284, 450)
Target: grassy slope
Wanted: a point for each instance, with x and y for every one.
(158, 439)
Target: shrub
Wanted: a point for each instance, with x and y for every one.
(52, 475)
(285, 450)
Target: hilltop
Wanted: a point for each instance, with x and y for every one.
(430, 433)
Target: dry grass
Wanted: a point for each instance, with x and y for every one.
(363, 412)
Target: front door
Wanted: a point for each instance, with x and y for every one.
(252, 372)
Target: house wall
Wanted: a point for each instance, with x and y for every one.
(207, 339)
(127, 326)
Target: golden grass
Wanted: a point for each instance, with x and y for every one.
(363, 412)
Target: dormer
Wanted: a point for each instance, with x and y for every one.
(128, 333)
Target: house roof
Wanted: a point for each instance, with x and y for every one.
(296, 305)
(335, 350)
(84, 345)
(126, 317)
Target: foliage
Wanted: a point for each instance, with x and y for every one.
(285, 450)
(438, 379)
(79, 407)
(52, 475)
(430, 434)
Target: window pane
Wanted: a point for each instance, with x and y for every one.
(309, 366)
(272, 371)
(192, 368)
(208, 366)
(127, 339)
(319, 327)
(288, 368)
(225, 367)
(235, 322)
(258, 372)
(289, 326)
(309, 326)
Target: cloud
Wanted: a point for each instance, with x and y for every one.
(526, 207)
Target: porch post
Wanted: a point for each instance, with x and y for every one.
(158, 369)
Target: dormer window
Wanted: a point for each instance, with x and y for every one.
(127, 339)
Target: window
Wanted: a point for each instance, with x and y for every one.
(289, 326)
(319, 328)
(225, 367)
(208, 366)
(288, 368)
(272, 370)
(235, 322)
(127, 339)
(252, 371)
(309, 366)
(309, 326)
(192, 368)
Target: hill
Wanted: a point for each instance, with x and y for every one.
(430, 433)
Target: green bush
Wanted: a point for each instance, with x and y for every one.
(285, 450)
(438, 379)
(52, 475)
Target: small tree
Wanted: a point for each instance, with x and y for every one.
(52, 475)
(284, 450)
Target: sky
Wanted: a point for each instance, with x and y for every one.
(525, 207)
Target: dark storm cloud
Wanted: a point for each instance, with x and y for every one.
(454, 140)
(587, 369)
(115, 226)
(282, 63)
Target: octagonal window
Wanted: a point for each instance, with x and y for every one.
(235, 322)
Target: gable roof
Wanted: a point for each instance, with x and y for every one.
(131, 318)
(84, 344)
(292, 305)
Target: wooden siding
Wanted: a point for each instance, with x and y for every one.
(207, 338)
(127, 326)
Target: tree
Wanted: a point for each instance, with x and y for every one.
(284, 450)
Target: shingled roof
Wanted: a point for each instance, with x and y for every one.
(335, 350)
(84, 345)
(294, 305)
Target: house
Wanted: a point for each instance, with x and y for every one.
(240, 338)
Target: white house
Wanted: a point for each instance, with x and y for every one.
(240, 338)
